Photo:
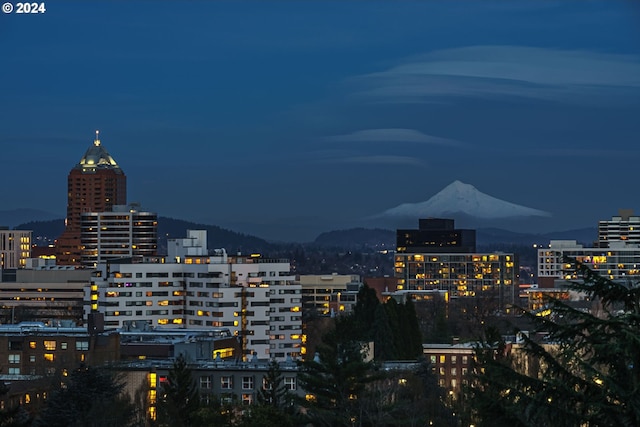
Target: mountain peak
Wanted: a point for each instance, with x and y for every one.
(459, 186)
(461, 198)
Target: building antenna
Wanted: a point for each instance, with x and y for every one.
(97, 141)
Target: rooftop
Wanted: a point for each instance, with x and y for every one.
(97, 157)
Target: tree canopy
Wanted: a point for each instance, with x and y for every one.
(585, 373)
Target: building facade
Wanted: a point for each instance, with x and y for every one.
(451, 364)
(439, 257)
(256, 298)
(435, 235)
(48, 294)
(460, 275)
(225, 381)
(625, 227)
(618, 261)
(31, 348)
(329, 294)
(15, 248)
(95, 184)
(124, 232)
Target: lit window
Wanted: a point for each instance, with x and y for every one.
(32, 344)
(50, 345)
(247, 399)
(49, 357)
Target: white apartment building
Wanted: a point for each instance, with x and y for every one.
(124, 232)
(15, 248)
(618, 261)
(625, 228)
(256, 298)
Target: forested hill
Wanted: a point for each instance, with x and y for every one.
(45, 232)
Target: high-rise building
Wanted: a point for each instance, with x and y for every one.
(123, 233)
(625, 227)
(439, 258)
(95, 184)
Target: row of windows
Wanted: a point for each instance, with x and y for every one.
(247, 383)
(48, 345)
(453, 358)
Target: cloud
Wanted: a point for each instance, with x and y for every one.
(382, 159)
(490, 71)
(392, 135)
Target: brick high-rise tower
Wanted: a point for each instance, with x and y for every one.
(95, 184)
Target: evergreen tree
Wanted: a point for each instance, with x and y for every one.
(215, 413)
(12, 417)
(265, 416)
(364, 311)
(335, 380)
(384, 346)
(589, 369)
(273, 393)
(91, 397)
(180, 400)
(412, 330)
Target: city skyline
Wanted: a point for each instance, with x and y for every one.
(286, 119)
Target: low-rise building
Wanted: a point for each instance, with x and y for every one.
(15, 248)
(329, 294)
(46, 293)
(31, 354)
(451, 363)
(198, 345)
(225, 380)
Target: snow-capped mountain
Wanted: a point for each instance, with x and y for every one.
(461, 198)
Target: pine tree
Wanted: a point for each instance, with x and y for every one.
(384, 346)
(273, 393)
(412, 330)
(335, 380)
(90, 397)
(589, 371)
(364, 311)
(180, 400)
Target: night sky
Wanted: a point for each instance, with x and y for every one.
(286, 119)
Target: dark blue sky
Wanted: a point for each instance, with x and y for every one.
(285, 119)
